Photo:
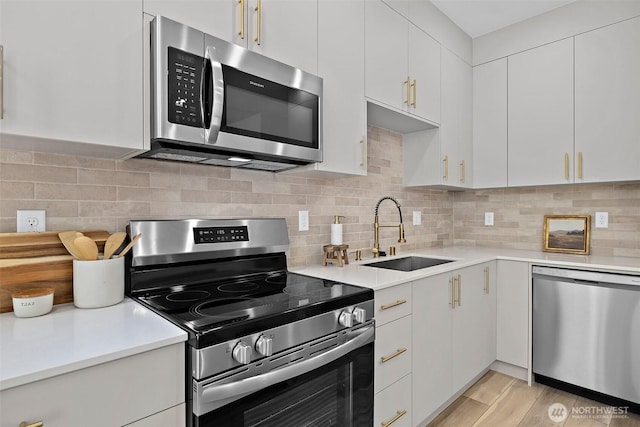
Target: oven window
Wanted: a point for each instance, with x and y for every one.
(263, 109)
(338, 394)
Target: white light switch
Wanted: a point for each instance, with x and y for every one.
(488, 218)
(303, 220)
(417, 217)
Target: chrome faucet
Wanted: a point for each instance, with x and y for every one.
(376, 227)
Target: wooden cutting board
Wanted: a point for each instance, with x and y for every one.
(38, 260)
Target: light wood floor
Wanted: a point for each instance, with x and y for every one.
(498, 400)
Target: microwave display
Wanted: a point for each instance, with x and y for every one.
(184, 76)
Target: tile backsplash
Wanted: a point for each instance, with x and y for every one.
(91, 193)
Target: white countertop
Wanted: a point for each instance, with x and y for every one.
(69, 338)
(378, 278)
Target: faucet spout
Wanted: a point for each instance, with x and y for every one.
(376, 226)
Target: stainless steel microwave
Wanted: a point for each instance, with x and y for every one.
(217, 103)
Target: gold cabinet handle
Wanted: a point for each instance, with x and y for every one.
(1, 81)
(241, 7)
(36, 424)
(399, 415)
(566, 166)
(486, 280)
(414, 85)
(580, 164)
(385, 359)
(445, 167)
(459, 290)
(363, 158)
(393, 304)
(258, 10)
(408, 85)
(462, 172)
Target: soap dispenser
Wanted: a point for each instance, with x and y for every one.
(336, 230)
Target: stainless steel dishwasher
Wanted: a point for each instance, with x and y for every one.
(586, 333)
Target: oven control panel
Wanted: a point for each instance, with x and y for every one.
(220, 234)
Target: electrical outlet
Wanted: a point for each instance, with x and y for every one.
(417, 217)
(303, 220)
(488, 218)
(602, 219)
(31, 221)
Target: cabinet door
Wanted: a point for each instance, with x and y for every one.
(473, 324)
(394, 403)
(341, 66)
(490, 124)
(386, 38)
(424, 70)
(456, 121)
(285, 30)
(432, 347)
(540, 93)
(607, 103)
(220, 18)
(73, 71)
(513, 313)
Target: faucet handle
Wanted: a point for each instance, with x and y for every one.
(376, 252)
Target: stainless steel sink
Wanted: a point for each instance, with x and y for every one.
(409, 263)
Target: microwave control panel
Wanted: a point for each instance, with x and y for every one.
(185, 75)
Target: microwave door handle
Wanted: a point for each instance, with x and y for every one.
(217, 80)
(214, 393)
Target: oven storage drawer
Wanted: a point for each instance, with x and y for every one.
(392, 303)
(393, 352)
(392, 406)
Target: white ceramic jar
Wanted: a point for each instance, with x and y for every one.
(98, 283)
(32, 302)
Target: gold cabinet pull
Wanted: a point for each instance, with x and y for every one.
(393, 304)
(566, 166)
(408, 84)
(399, 415)
(241, 7)
(452, 282)
(486, 280)
(414, 85)
(462, 172)
(258, 10)
(385, 359)
(445, 167)
(580, 164)
(459, 290)
(36, 424)
(363, 158)
(1, 81)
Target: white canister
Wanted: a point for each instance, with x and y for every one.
(32, 302)
(98, 283)
(336, 230)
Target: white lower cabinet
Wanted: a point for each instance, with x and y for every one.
(393, 352)
(147, 388)
(454, 334)
(392, 406)
(513, 313)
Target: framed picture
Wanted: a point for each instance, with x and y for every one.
(568, 234)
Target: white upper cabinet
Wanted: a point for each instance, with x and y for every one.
(540, 115)
(73, 73)
(607, 103)
(490, 124)
(285, 30)
(402, 63)
(341, 66)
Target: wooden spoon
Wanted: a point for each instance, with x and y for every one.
(87, 248)
(130, 245)
(113, 243)
(67, 238)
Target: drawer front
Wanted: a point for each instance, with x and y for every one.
(393, 352)
(392, 406)
(392, 303)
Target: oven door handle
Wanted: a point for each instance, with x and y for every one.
(217, 80)
(214, 393)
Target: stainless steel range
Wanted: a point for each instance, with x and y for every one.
(266, 347)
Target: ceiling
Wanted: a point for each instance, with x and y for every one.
(478, 17)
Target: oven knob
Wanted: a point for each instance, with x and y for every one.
(264, 346)
(242, 353)
(346, 319)
(360, 314)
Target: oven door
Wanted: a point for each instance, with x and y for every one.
(331, 387)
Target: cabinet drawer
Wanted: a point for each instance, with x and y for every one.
(393, 352)
(392, 406)
(392, 303)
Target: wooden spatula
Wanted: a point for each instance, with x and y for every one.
(86, 247)
(67, 238)
(113, 243)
